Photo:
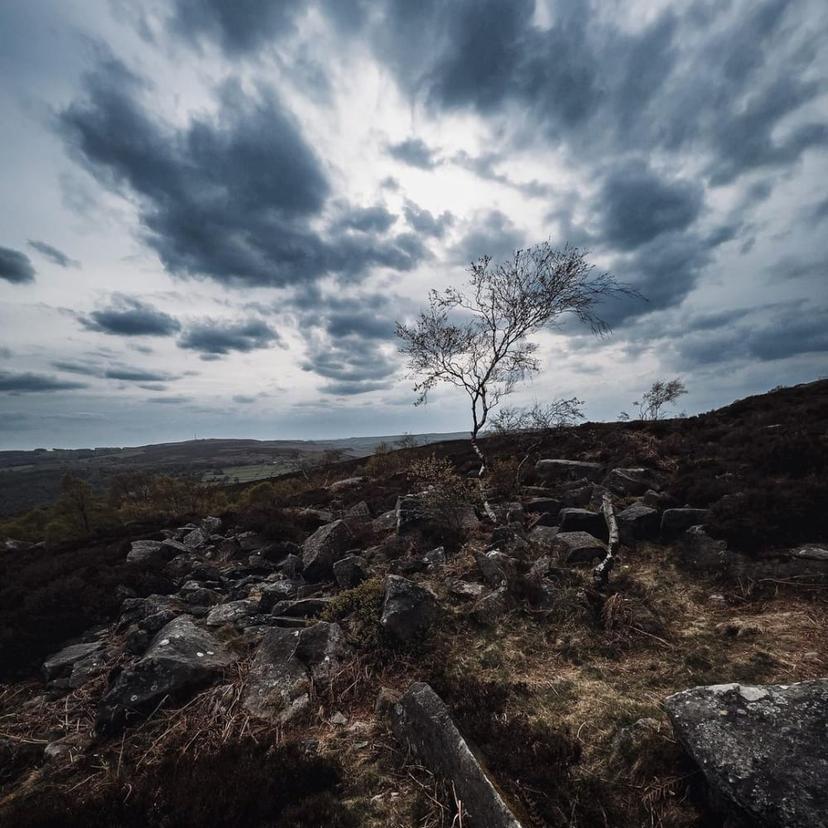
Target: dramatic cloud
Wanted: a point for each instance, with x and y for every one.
(232, 197)
(639, 205)
(28, 383)
(127, 316)
(490, 233)
(127, 374)
(54, 255)
(425, 223)
(414, 152)
(15, 266)
(376, 219)
(217, 337)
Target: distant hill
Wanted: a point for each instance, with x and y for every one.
(32, 478)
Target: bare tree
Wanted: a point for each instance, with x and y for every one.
(660, 394)
(478, 339)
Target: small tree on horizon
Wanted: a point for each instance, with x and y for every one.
(652, 402)
(478, 339)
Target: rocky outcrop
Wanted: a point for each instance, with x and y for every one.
(423, 724)
(323, 548)
(558, 469)
(287, 664)
(408, 610)
(181, 658)
(760, 748)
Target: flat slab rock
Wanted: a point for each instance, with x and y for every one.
(762, 748)
(422, 722)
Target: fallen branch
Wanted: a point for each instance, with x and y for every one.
(601, 572)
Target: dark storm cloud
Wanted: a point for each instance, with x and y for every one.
(15, 266)
(349, 389)
(414, 152)
(427, 223)
(127, 316)
(233, 197)
(88, 369)
(53, 254)
(217, 337)
(639, 205)
(376, 219)
(128, 374)
(238, 27)
(28, 383)
(490, 233)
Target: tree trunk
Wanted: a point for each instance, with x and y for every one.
(481, 475)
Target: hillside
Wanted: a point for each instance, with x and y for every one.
(32, 478)
(360, 645)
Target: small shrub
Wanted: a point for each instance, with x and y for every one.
(360, 608)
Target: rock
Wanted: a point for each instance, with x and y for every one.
(211, 525)
(492, 607)
(540, 505)
(323, 548)
(271, 594)
(350, 571)
(195, 539)
(410, 513)
(760, 748)
(138, 610)
(408, 610)
(181, 658)
(61, 663)
(422, 723)
(543, 536)
(656, 500)
(286, 664)
(578, 547)
(698, 551)
(385, 522)
(339, 719)
(559, 469)
(807, 563)
(303, 608)
(435, 557)
(291, 566)
(200, 596)
(495, 567)
(149, 554)
(413, 513)
(233, 612)
(630, 482)
(347, 483)
(676, 521)
(250, 541)
(359, 511)
(582, 520)
(466, 590)
(638, 522)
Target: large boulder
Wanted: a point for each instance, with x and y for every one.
(698, 551)
(414, 512)
(557, 469)
(288, 662)
(323, 548)
(582, 520)
(408, 610)
(181, 658)
(639, 522)
(350, 571)
(578, 547)
(760, 748)
(62, 663)
(149, 554)
(422, 723)
(631, 482)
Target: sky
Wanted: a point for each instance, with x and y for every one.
(213, 213)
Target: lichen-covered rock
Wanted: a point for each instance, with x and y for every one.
(639, 522)
(408, 610)
(323, 548)
(762, 749)
(182, 657)
(421, 722)
(287, 662)
(350, 571)
(578, 547)
(233, 612)
(582, 520)
(61, 663)
(630, 482)
(492, 607)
